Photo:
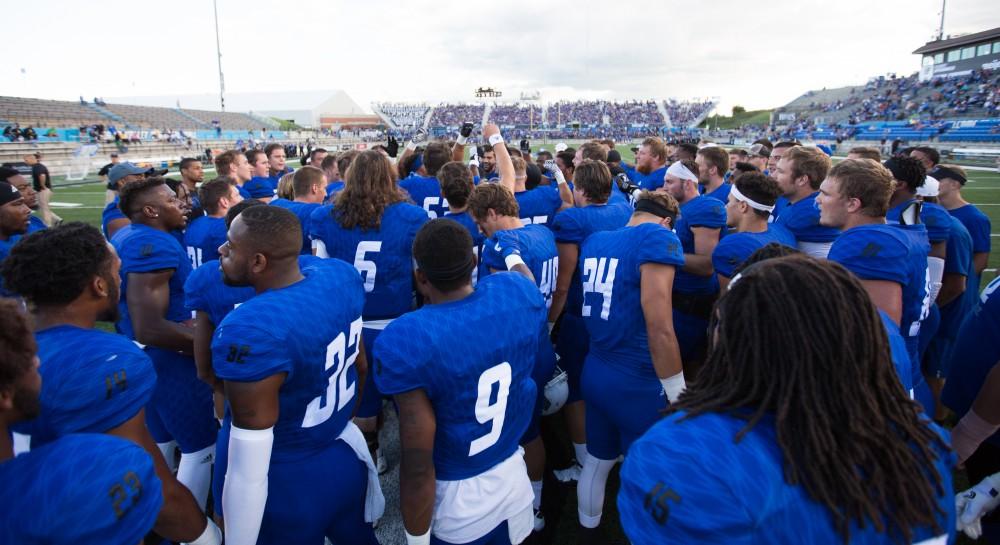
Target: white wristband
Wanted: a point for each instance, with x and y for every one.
(513, 260)
(496, 139)
(560, 177)
(418, 540)
(673, 386)
(411, 145)
(211, 536)
(461, 140)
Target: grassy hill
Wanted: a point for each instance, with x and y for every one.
(753, 117)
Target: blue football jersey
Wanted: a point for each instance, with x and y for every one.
(934, 217)
(204, 290)
(111, 212)
(332, 189)
(426, 192)
(900, 355)
(690, 481)
(885, 252)
(978, 225)
(92, 382)
(612, 302)
(5, 246)
(304, 211)
(315, 344)
(975, 352)
(35, 223)
(958, 260)
(474, 359)
(721, 193)
(802, 219)
(243, 191)
(82, 489)
(735, 248)
(202, 239)
(143, 249)
(383, 256)
(700, 211)
(650, 181)
(261, 187)
(466, 220)
(537, 247)
(574, 225)
(539, 205)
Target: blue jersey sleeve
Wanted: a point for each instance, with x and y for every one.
(871, 258)
(729, 254)
(195, 291)
(245, 353)
(980, 231)
(148, 254)
(492, 258)
(665, 498)
(259, 187)
(399, 358)
(711, 214)
(567, 229)
(660, 245)
(958, 254)
(938, 223)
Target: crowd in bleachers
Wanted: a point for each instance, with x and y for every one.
(516, 115)
(683, 114)
(404, 115)
(453, 115)
(633, 112)
(584, 112)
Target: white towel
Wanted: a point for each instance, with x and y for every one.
(374, 500)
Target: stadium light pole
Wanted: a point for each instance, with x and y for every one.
(218, 52)
(941, 28)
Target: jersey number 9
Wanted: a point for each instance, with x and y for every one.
(491, 412)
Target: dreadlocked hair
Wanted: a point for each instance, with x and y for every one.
(799, 340)
(369, 188)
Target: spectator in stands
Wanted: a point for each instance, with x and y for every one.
(192, 174)
(30, 134)
(865, 152)
(927, 156)
(42, 183)
(110, 194)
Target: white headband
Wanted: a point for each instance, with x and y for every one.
(750, 202)
(677, 170)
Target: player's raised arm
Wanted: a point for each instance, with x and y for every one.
(564, 192)
(506, 167)
(416, 467)
(458, 150)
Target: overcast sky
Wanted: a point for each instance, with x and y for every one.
(758, 54)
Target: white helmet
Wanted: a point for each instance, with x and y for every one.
(556, 392)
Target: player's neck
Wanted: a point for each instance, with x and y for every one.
(857, 220)
(899, 197)
(519, 186)
(6, 445)
(952, 200)
(752, 223)
(713, 184)
(800, 194)
(281, 276)
(47, 317)
(457, 209)
(506, 223)
(436, 297)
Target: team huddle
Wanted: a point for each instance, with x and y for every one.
(765, 341)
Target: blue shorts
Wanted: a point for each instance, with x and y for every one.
(497, 536)
(692, 336)
(371, 398)
(572, 346)
(613, 425)
(319, 495)
(181, 407)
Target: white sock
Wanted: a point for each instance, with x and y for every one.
(195, 472)
(536, 488)
(590, 491)
(168, 454)
(581, 452)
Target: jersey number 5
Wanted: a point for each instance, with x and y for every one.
(491, 412)
(338, 392)
(364, 266)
